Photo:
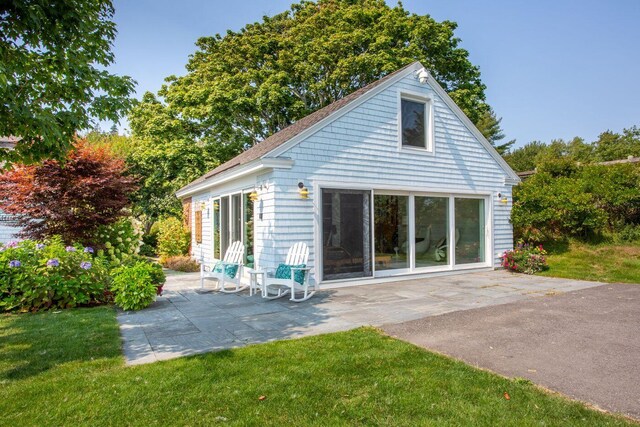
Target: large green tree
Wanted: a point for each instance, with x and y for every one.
(243, 86)
(53, 82)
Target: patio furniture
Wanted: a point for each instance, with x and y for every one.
(254, 283)
(229, 270)
(291, 276)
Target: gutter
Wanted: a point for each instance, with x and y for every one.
(235, 173)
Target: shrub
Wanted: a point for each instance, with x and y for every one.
(133, 286)
(73, 198)
(629, 233)
(41, 275)
(150, 242)
(180, 263)
(120, 240)
(173, 239)
(525, 258)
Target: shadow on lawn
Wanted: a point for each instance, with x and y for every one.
(31, 344)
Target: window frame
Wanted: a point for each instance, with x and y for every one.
(427, 101)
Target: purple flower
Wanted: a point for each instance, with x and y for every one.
(13, 244)
(88, 250)
(70, 249)
(40, 246)
(85, 265)
(15, 263)
(53, 263)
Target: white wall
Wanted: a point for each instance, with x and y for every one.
(7, 230)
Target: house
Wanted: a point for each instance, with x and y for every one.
(377, 184)
(8, 226)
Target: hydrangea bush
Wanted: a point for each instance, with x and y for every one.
(525, 258)
(120, 240)
(41, 275)
(133, 286)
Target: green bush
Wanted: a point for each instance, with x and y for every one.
(41, 275)
(628, 233)
(547, 208)
(133, 286)
(120, 240)
(525, 258)
(173, 239)
(150, 242)
(180, 263)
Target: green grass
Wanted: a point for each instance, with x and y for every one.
(66, 369)
(599, 262)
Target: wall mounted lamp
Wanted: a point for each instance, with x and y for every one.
(303, 191)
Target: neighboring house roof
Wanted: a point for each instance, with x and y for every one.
(9, 141)
(629, 159)
(268, 146)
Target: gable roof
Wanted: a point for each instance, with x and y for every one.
(278, 139)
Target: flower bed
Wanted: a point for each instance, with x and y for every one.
(525, 258)
(37, 276)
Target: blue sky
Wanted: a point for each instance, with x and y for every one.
(553, 69)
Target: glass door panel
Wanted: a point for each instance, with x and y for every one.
(432, 231)
(346, 235)
(470, 231)
(248, 231)
(216, 229)
(391, 216)
(224, 226)
(236, 217)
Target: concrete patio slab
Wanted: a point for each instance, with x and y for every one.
(187, 321)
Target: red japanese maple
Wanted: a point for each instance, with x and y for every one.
(71, 199)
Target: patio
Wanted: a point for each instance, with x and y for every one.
(186, 321)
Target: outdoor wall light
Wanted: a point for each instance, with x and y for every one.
(304, 193)
(502, 199)
(202, 206)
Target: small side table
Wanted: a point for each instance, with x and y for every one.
(254, 284)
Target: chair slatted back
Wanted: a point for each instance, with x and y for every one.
(298, 254)
(235, 253)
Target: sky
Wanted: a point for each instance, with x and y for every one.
(553, 69)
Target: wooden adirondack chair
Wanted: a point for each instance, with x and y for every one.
(229, 270)
(277, 287)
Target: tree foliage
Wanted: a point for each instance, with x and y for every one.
(565, 199)
(53, 82)
(71, 199)
(609, 146)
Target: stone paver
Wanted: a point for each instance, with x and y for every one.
(187, 321)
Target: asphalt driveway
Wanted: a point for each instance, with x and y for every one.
(584, 344)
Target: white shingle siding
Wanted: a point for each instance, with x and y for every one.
(7, 229)
(361, 147)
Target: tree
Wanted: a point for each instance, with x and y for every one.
(72, 199)
(489, 126)
(246, 85)
(114, 130)
(163, 152)
(53, 82)
(524, 158)
(614, 146)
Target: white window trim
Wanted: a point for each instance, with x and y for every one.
(427, 100)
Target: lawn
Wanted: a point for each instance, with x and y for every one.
(599, 262)
(65, 368)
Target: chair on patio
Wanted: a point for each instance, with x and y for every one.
(229, 270)
(291, 276)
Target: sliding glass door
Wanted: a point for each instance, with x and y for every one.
(470, 231)
(346, 234)
(431, 231)
(391, 231)
(224, 225)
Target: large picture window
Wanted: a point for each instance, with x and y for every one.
(431, 231)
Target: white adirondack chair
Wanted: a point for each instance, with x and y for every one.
(298, 255)
(233, 256)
